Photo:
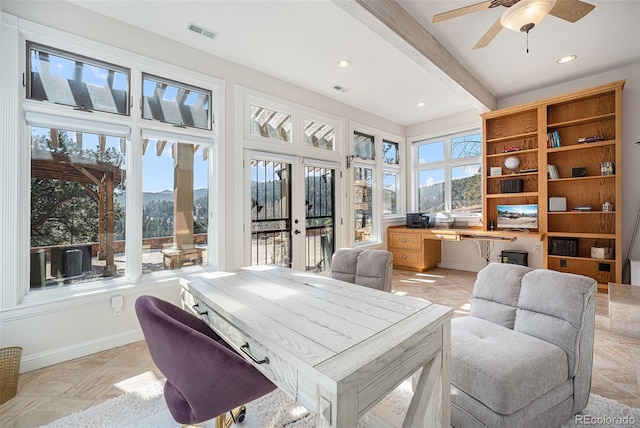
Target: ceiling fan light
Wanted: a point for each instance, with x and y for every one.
(526, 14)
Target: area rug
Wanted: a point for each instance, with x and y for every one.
(146, 408)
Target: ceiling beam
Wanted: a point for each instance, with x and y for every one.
(394, 24)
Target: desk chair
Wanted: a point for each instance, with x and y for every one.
(205, 377)
(369, 268)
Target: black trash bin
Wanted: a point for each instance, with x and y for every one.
(72, 262)
(37, 267)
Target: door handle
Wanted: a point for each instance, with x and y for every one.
(296, 231)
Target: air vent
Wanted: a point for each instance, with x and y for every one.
(341, 88)
(201, 30)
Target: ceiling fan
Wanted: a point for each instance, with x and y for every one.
(521, 15)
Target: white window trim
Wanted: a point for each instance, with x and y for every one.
(379, 166)
(64, 117)
(277, 149)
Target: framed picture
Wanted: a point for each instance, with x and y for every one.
(495, 170)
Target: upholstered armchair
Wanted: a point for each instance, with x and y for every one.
(369, 268)
(523, 356)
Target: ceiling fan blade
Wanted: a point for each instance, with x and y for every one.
(489, 35)
(571, 10)
(461, 11)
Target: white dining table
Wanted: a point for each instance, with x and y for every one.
(334, 347)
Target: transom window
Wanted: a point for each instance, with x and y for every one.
(87, 84)
(270, 123)
(317, 134)
(176, 103)
(448, 174)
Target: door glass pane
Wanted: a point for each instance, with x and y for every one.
(270, 124)
(77, 207)
(390, 192)
(466, 189)
(174, 102)
(466, 147)
(363, 204)
(270, 213)
(319, 199)
(431, 190)
(175, 205)
(68, 79)
(431, 152)
(319, 135)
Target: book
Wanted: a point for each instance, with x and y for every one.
(552, 172)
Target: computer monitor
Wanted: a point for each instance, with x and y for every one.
(518, 216)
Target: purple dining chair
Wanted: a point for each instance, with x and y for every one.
(206, 378)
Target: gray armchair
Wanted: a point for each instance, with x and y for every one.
(370, 268)
(523, 356)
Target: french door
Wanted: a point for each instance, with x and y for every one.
(291, 201)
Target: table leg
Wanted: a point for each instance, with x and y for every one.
(430, 405)
(337, 410)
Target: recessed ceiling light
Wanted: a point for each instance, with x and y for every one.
(343, 63)
(421, 104)
(567, 59)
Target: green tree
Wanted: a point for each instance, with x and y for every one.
(64, 212)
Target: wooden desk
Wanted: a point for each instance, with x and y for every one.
(420, 249)
(334, 347)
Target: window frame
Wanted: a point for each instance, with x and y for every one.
(31, 44)
(65, 117)
(446, 164)
(379, 167)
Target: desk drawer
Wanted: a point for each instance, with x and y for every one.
(413, 259)
(409, 241)
(277, 370)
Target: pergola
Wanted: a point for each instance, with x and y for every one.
(86, 172)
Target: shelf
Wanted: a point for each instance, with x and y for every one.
(589, 259)
(518, 174)
(579, 212)
(512, 137)
(512, 195)
(582, 235)
(582, 121)
(590, 177)
(581, 146)
(513, 153)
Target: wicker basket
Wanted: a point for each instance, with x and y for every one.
(9, 371)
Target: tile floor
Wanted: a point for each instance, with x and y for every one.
(50, 393)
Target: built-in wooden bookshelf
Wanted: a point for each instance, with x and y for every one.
(588, 175)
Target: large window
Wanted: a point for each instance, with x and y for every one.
(81, 158)
(376, 163)
(390, 177)
(77, 207)
(448, 174)
(175, 205)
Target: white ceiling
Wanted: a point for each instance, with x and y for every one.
(300, 41)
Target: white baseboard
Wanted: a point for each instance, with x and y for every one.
(59, 355)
